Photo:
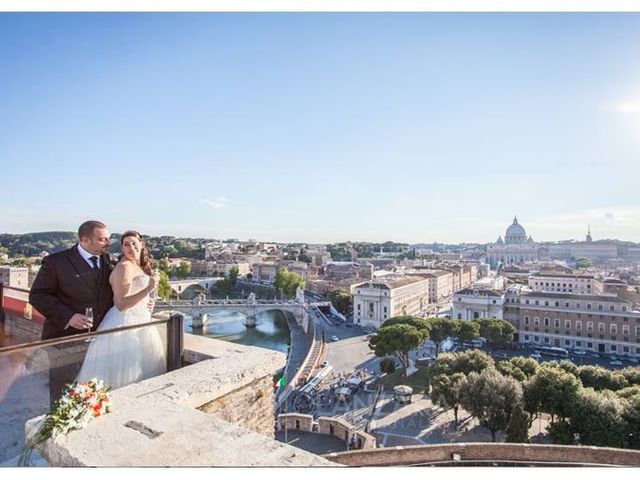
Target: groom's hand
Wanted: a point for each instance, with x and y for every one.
(79, 322)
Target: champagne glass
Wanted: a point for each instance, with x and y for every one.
(88, 312)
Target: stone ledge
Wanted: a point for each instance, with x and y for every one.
(157, 422)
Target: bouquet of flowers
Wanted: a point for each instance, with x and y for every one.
(81, 403)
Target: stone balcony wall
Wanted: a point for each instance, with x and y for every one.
(216, 412)
(487, 452)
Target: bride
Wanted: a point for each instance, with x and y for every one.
(127, 357)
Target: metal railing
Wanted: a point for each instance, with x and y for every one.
(175, 334)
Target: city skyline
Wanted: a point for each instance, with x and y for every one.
(321, 128)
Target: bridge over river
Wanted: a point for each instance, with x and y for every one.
(200, 308)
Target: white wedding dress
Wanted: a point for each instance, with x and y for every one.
(123, 358)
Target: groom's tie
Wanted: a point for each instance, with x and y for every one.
(94, 260)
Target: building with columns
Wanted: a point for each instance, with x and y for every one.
(514, 249)
(375, 302)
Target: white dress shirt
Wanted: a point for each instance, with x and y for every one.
(87, 256)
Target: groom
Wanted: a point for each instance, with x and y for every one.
(68, 282)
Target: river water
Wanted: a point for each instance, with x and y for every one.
(271, 330)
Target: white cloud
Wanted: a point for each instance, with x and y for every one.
(219, 202)
(628, 107)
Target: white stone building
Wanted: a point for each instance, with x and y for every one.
(375, 302)
(514, 249)
(558, 282)
(17, 277)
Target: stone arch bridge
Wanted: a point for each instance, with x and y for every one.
(179, 286)
(199, 309)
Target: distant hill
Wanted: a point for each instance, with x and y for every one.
(29, 244)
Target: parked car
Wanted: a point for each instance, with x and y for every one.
(500, 355)
(580, 352)
(334, 338)
(615, 363)
(424, 361)
(536, 356)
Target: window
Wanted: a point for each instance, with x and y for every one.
(589, 326)
(577, 305)
(600, 327)
(459, 316)
(556, 323)
(567, 324)
(599, 307)
(537, 303)
(578, 325)
(624, 309)
(613, 328)
(546, 304)
(625, 329)
(546, 322)
(536, 321)
(588, 306)
(526, 320)
(566, 304)
(557, 304)
(611, 307)
(614, 348)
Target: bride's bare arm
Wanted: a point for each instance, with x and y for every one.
(121, 279)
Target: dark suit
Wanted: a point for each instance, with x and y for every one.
(64, 286)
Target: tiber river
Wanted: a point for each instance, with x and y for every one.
(271, 330)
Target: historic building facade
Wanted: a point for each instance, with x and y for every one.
(375, 302)
(514, 249)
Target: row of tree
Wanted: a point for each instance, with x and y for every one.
(510, 395)
(400, 335)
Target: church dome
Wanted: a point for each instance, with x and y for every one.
(515, 233)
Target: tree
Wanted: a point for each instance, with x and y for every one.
(466, 331)
(631, 417)
(506, 368)
(387, 365)
(584, 263)
(462, 362)
(518, 428)
(445, 391)
(527, 365)
(164, 289)
(629, 392)
(600, 378)
(440, 329)
(555, 390)
(341, 300)
(495, 330)
(163, 265)
(233, 275)
(416, 322)
(491, 398)
(598, 418)
(183, 270)
(396, 340)
(288, 282)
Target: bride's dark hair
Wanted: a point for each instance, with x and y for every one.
(146, 262)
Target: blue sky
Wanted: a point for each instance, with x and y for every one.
(322, 127)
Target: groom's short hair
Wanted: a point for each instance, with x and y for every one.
(86, 229)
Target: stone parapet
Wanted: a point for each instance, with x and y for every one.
(487, 452)
(182, 418)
